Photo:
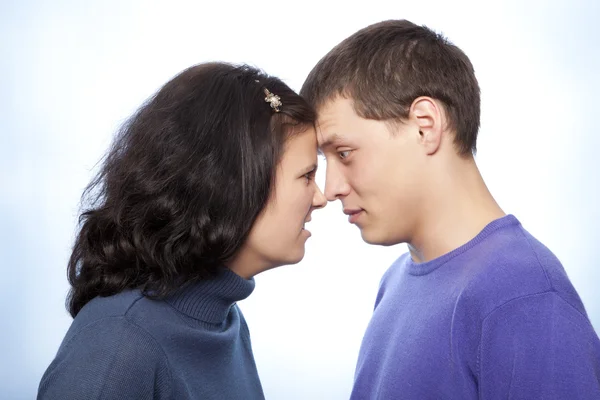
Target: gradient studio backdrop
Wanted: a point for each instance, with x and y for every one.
(72, 71)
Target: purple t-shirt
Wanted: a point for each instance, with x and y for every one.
(496, 318)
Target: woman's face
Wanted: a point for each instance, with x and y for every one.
(278, 236)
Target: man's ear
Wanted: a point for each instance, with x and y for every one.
(427, 114)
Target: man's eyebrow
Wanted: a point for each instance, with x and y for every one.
(331, 140)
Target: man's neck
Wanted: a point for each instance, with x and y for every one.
(458, 208)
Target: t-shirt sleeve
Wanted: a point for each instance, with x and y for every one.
(538, 347)
(109, 359)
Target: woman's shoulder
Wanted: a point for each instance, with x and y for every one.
(104, 350)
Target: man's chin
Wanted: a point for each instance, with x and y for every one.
(376, 238)
(369, 236)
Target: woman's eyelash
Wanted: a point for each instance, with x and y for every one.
(310, 175)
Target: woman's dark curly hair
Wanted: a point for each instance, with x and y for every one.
(183, 182)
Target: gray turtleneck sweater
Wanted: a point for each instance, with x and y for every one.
(192, 345)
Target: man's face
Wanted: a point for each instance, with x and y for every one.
(373, 169)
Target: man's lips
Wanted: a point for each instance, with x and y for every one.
(353, 214)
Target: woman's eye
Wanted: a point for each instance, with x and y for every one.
(310, 175)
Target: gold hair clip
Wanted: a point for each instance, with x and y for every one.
(273, 99)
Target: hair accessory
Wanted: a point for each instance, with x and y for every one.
(273, 99)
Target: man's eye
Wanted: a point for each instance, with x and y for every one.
(344, 154)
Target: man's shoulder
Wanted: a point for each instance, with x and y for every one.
(513, 265)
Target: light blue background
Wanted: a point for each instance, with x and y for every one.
(72, 71)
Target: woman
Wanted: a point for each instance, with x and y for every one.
(208, 184)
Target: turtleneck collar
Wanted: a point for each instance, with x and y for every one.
(211, 300)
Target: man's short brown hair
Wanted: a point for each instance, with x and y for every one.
(386, 66)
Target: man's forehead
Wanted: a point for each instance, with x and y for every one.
(327, 138)
(325, 126)
(330, 121)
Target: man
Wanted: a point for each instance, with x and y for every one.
(478, 309)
